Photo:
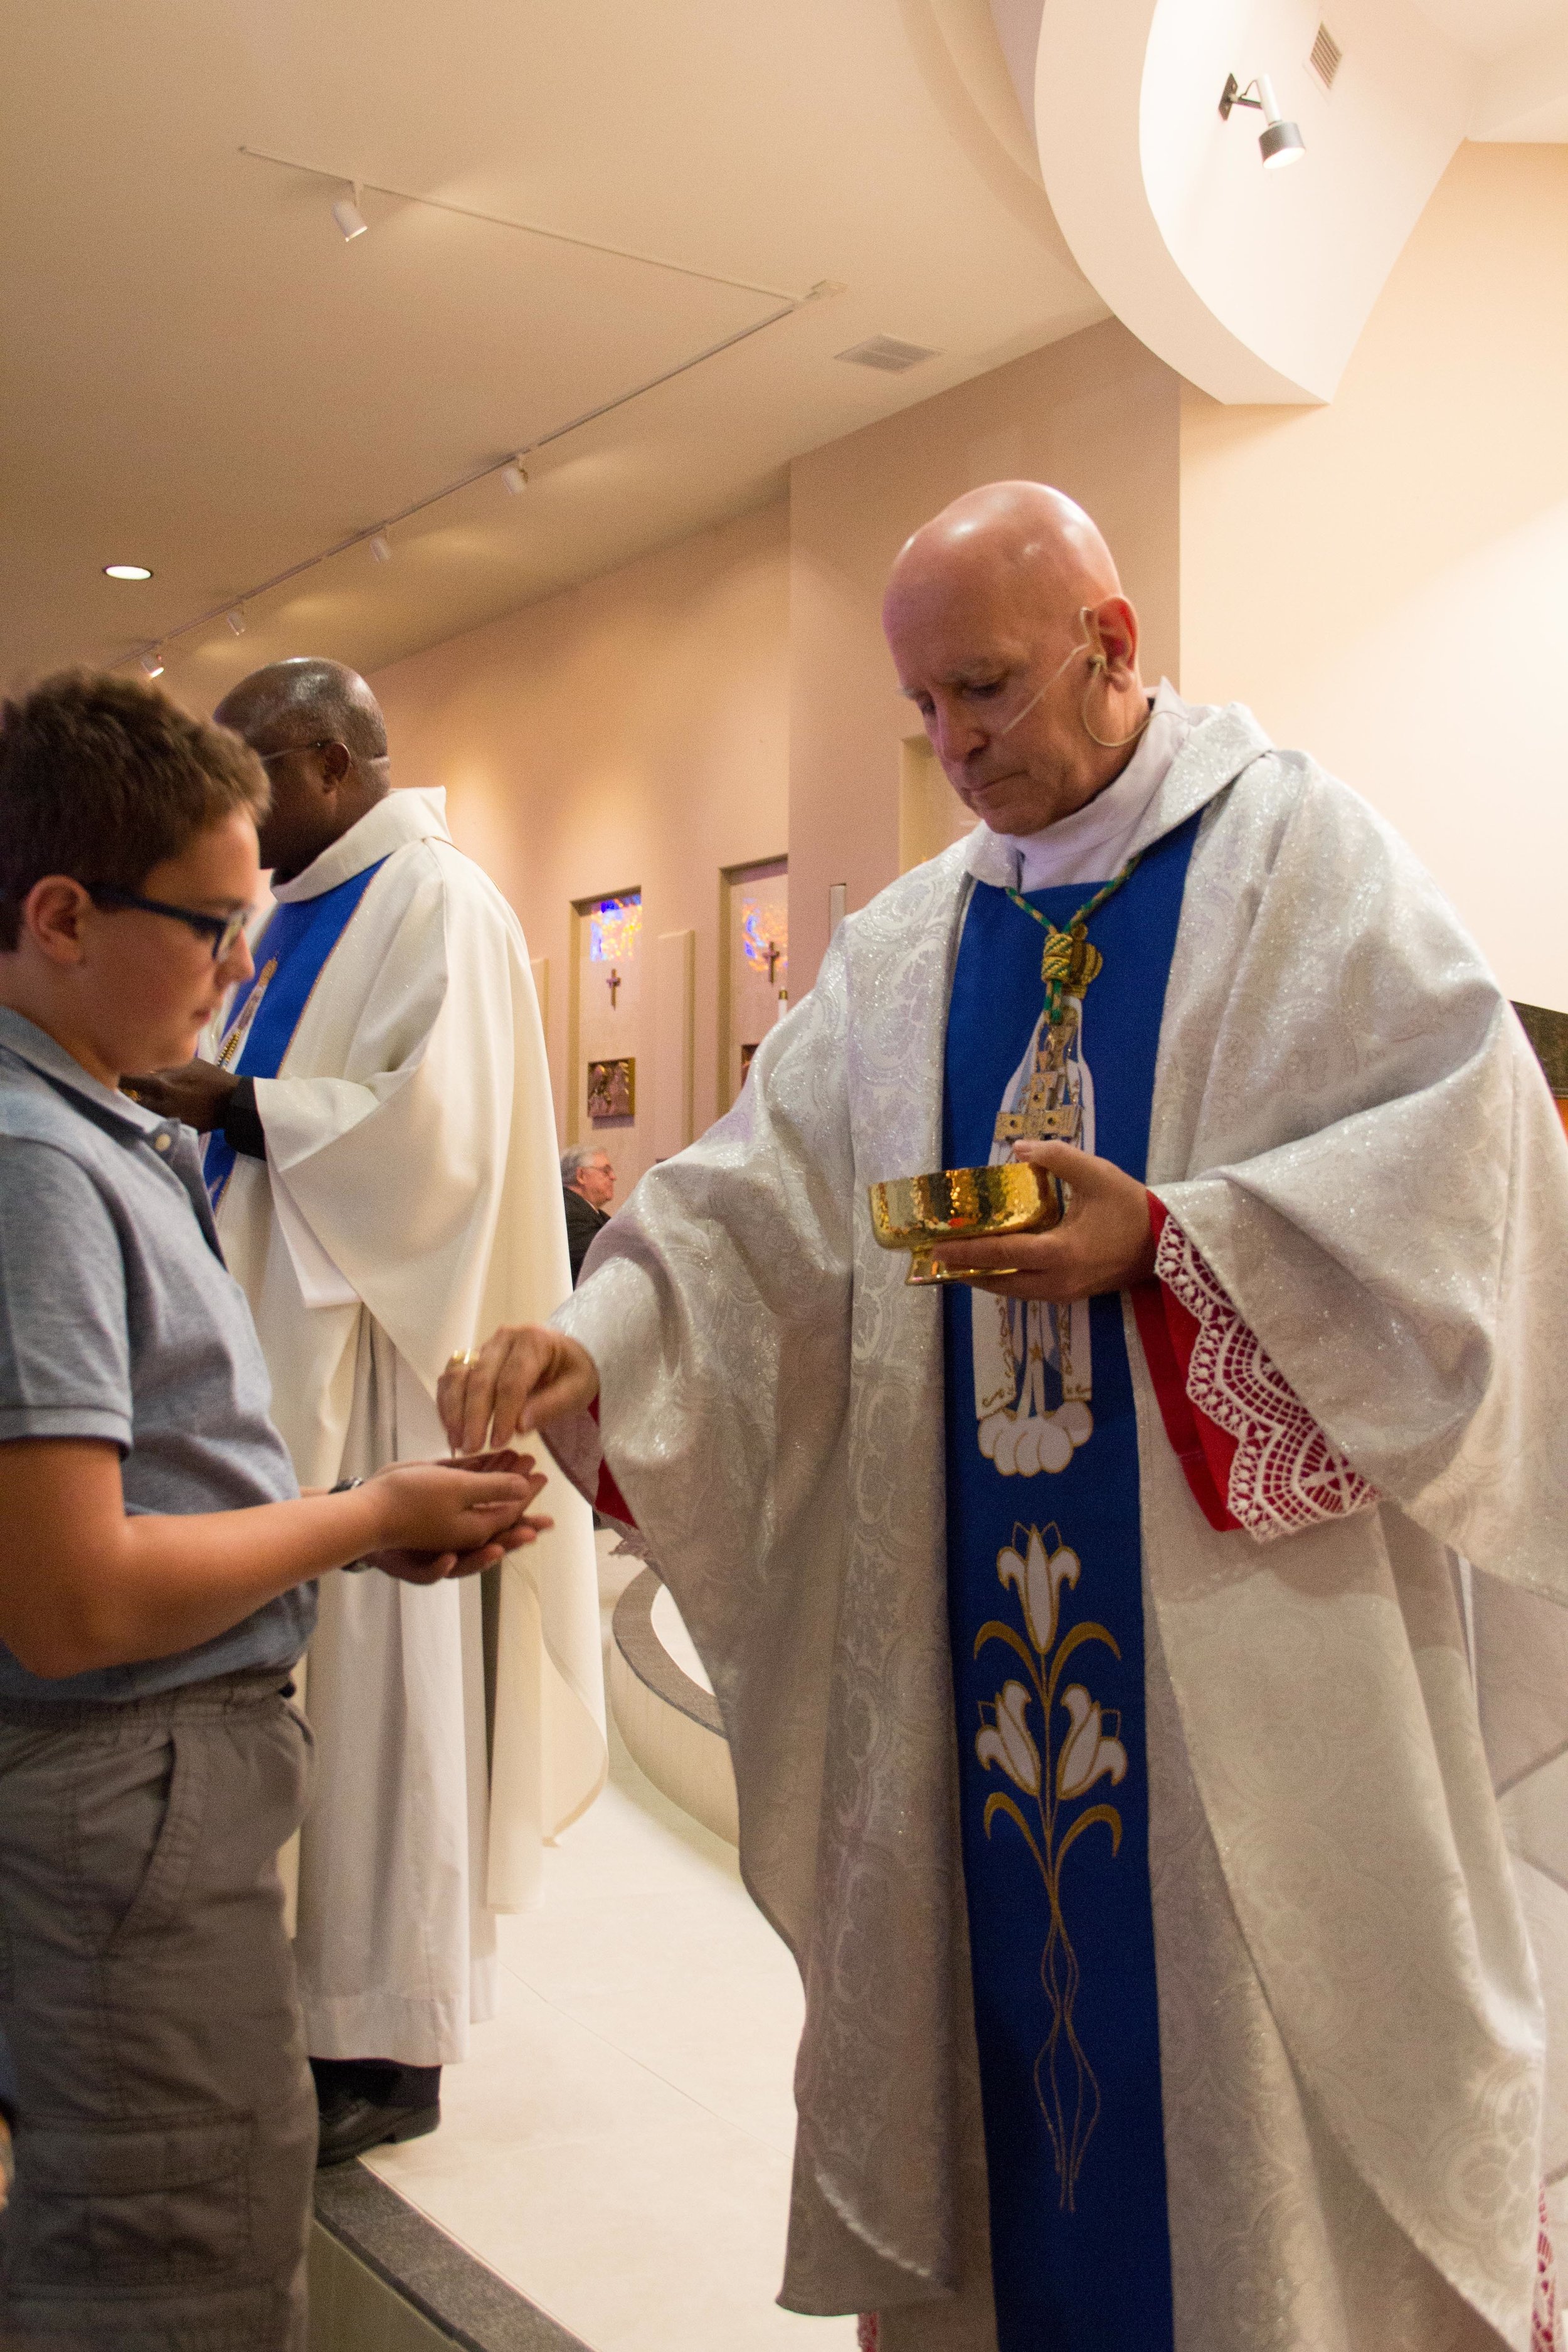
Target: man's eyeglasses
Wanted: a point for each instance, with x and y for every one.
(223, 931)
(324, 743)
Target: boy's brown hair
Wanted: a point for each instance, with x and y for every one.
(102, 778)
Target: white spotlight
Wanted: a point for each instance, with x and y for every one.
(1280, 141)
(348, 216)
(154, 664)
(515, 477)
(127, 572)
(236, 622)
(381, 547)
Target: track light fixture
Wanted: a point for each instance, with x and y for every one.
(348, 216)
(515, 477)
(381, 547)
(1279, 142)
(153, 663)
(236, 621)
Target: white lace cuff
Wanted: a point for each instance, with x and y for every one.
(1286, 1474)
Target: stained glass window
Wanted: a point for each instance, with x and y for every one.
(615, 926)
(764, 936)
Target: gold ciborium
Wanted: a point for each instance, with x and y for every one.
(961, 1204)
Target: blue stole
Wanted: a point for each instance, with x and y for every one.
(1046, 1613)
(288, 957)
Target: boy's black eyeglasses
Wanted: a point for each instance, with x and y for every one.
(223, 931)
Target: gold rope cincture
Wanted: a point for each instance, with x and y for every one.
(1068, 965)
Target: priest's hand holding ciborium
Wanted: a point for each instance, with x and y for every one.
(1052, 1223)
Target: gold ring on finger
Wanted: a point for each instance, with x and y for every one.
(460, 1363)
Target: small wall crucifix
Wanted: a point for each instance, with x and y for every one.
(613, 985)
(774, 953)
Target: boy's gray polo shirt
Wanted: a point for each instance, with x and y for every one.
(120, 1321)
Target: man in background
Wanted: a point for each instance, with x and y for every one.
(381, 1162)
(588, 1186)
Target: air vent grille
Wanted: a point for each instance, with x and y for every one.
(1326, 57)
(886, 351)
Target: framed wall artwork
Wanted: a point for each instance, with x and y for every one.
(610, 1030)
(613, 1091)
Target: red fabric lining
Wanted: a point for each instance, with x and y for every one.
(608, 1498)
(1169, 1333)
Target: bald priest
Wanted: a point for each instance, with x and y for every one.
(382, 1160)
(1138, 1666)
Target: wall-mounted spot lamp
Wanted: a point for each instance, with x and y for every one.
(236, 621)
(1279, 142)
(515, 477)
(153, 663)
(381, 547)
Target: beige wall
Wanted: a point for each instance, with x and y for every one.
(1098, 416)
(630, 734)
(1385, 580)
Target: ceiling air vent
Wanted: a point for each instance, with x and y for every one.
(886, 351)
(1326, 57)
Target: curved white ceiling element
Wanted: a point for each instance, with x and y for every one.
(1256, 285)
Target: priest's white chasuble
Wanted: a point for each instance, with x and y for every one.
(1276, 2051)
(409, 1202)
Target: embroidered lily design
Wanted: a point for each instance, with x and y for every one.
(1053, 1774)
(1039, 1577)
(1087, 1752)
(1005, 1739)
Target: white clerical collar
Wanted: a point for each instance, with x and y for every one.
(1092, 844)
(401, 817)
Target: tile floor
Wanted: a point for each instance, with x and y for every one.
(617, 2146)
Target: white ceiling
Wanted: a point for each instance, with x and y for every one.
(1490, 29)
(199, 374)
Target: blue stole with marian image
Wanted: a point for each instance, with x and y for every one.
(289, 958)
(1045, 1615)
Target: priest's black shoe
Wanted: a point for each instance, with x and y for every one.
(369, 2103)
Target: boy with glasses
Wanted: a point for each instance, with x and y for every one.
(157, 1569)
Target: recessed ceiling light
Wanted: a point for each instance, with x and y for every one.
(127, 572)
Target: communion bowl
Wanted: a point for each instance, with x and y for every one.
(957, 1204)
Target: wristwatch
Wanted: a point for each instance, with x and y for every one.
(346, 1486)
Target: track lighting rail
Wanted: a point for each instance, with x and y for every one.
(526, 228)
(374, 534)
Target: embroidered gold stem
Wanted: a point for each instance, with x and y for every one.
(1056, 1776)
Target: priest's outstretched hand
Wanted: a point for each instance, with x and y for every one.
(523, 1375)
(1104, 1241)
